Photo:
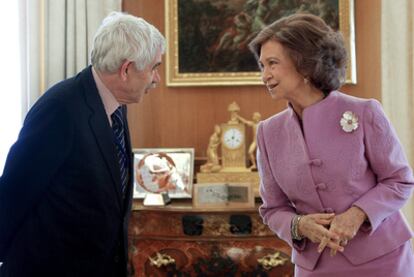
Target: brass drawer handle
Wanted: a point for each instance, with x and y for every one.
(272, 260)
(161, 260)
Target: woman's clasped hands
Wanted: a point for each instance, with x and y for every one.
(331, 230)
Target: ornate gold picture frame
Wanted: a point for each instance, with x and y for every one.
(207, 39)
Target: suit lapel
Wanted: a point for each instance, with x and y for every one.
(101, 129)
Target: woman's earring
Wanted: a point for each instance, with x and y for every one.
(306, 80)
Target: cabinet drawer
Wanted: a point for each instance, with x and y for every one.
(239, 257)
(202, 225)
(179, 240)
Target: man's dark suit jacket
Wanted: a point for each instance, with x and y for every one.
(61, 209)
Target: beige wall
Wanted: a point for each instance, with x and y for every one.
(185, 116)
(397, 60)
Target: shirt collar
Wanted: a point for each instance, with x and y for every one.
(108, 99)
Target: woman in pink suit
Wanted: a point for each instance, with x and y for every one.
(333, 173)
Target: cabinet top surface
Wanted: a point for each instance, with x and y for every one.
(179, 205)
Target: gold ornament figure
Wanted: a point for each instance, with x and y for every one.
(212, 164)
(233, 108)
(252, 148)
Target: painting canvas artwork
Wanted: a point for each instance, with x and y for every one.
(208, 39)
(163, 170)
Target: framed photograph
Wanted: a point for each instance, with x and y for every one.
(208, 39)
(223, 195)
(163, 170)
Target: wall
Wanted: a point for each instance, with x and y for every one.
(397, 52)
(184, 117)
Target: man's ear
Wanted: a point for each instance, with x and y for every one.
(123, 70)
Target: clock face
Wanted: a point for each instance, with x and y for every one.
(232, 138)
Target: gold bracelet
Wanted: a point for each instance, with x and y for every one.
(295, 227)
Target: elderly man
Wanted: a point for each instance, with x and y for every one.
(66, 190)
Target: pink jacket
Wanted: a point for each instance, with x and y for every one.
(326, 169)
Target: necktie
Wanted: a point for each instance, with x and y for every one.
(119, 139)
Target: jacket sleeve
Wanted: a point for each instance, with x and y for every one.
(387, 160)
(277, 211)
(40, 150)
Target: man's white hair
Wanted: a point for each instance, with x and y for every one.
(122, 37)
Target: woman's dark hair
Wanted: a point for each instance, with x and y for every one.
(317, 51)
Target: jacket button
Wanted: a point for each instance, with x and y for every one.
(315, 162)
(321, 186)
(329, 210)
(116, 259)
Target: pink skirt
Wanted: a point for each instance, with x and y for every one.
(397, 263)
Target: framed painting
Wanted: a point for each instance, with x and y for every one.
(163, 170)
(208, 39)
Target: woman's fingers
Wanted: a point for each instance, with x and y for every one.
(334, 245)
(323, 244)
(328, 239)
(313, 226)
(337, 245)
(323, 221)
(325, 216)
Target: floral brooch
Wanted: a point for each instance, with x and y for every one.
(349, 121)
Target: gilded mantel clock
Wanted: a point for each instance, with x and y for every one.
(233, 147)
(230, 138)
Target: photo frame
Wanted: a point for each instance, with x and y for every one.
(207, 39)
(223, 195)
(163, 170)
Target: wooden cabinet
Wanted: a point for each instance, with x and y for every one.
(179, 240)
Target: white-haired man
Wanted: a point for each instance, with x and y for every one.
(66, 190)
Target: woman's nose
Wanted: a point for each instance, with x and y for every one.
(266, 75)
